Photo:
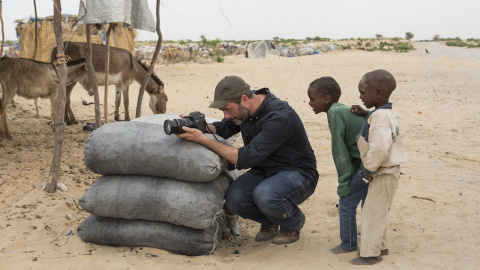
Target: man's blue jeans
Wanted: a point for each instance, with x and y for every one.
(270, 200)
(347, 208)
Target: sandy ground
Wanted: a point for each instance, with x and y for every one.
(434, 221)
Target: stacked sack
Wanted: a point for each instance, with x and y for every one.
(155, 190)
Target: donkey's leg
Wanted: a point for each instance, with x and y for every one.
(3, 125)
(118, 99)
(7, 98)
(36, 106)
(126, 102)
(69, 117)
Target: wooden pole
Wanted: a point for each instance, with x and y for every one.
(90, 69)
(36, 31)
(3, 35)
(60, 110)
(152, 64)
(107, 70)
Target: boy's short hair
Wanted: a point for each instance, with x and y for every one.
(383, 79)
(327, 86)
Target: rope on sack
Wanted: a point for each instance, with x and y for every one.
(219, 214)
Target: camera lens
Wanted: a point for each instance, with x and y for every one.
(167, 126)
(175, 126)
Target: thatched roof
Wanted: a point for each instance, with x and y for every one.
(122, 37)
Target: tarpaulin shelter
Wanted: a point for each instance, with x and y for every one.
(261, 49)
(132, 15)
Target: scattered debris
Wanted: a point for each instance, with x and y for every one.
(422, 198)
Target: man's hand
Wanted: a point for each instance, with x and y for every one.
(228, 152)
(356, 109)
(194, 135)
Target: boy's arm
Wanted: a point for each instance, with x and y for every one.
(379, 143)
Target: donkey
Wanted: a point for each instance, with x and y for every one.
(123, 70)
(32, 79)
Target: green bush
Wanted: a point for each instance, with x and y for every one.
(403, 47)
(457, 43)
(220, 59)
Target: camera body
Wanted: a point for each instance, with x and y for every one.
(193, 120)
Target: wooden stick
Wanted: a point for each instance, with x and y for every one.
(152, 64)
(107, 70)
(60, 110)
(36, 31)
(93, 78)
(3, 35)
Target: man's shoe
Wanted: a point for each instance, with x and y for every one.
(289, 237)
(266, 233)
(286, 238)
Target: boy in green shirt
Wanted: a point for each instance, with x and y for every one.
(344, 126)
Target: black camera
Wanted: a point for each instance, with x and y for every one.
(193, 120)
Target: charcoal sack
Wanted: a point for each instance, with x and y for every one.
(190, 204)
(156, 234)
(138, 148)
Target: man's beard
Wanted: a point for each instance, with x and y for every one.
(243, 115)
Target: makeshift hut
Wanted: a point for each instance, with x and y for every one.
(122, 37)
(261, 49)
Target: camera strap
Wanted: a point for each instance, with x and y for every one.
(212, 133)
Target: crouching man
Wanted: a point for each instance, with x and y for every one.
(283, 171)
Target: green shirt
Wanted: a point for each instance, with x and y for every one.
(344, 128)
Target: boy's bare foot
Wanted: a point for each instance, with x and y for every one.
(339, 250)
(366, 260)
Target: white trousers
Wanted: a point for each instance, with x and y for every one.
(375, 213)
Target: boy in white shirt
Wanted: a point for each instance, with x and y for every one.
(382, 152)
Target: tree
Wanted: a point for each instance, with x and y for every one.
(379, 36)
(409, 35)
(276, 39)
(436, 38)
(203, 39)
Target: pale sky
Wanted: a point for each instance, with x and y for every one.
(265, 19)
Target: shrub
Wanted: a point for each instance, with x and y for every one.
(457, 43)
(220, 59)
(403, 47)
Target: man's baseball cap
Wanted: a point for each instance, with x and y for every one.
(228, 90)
